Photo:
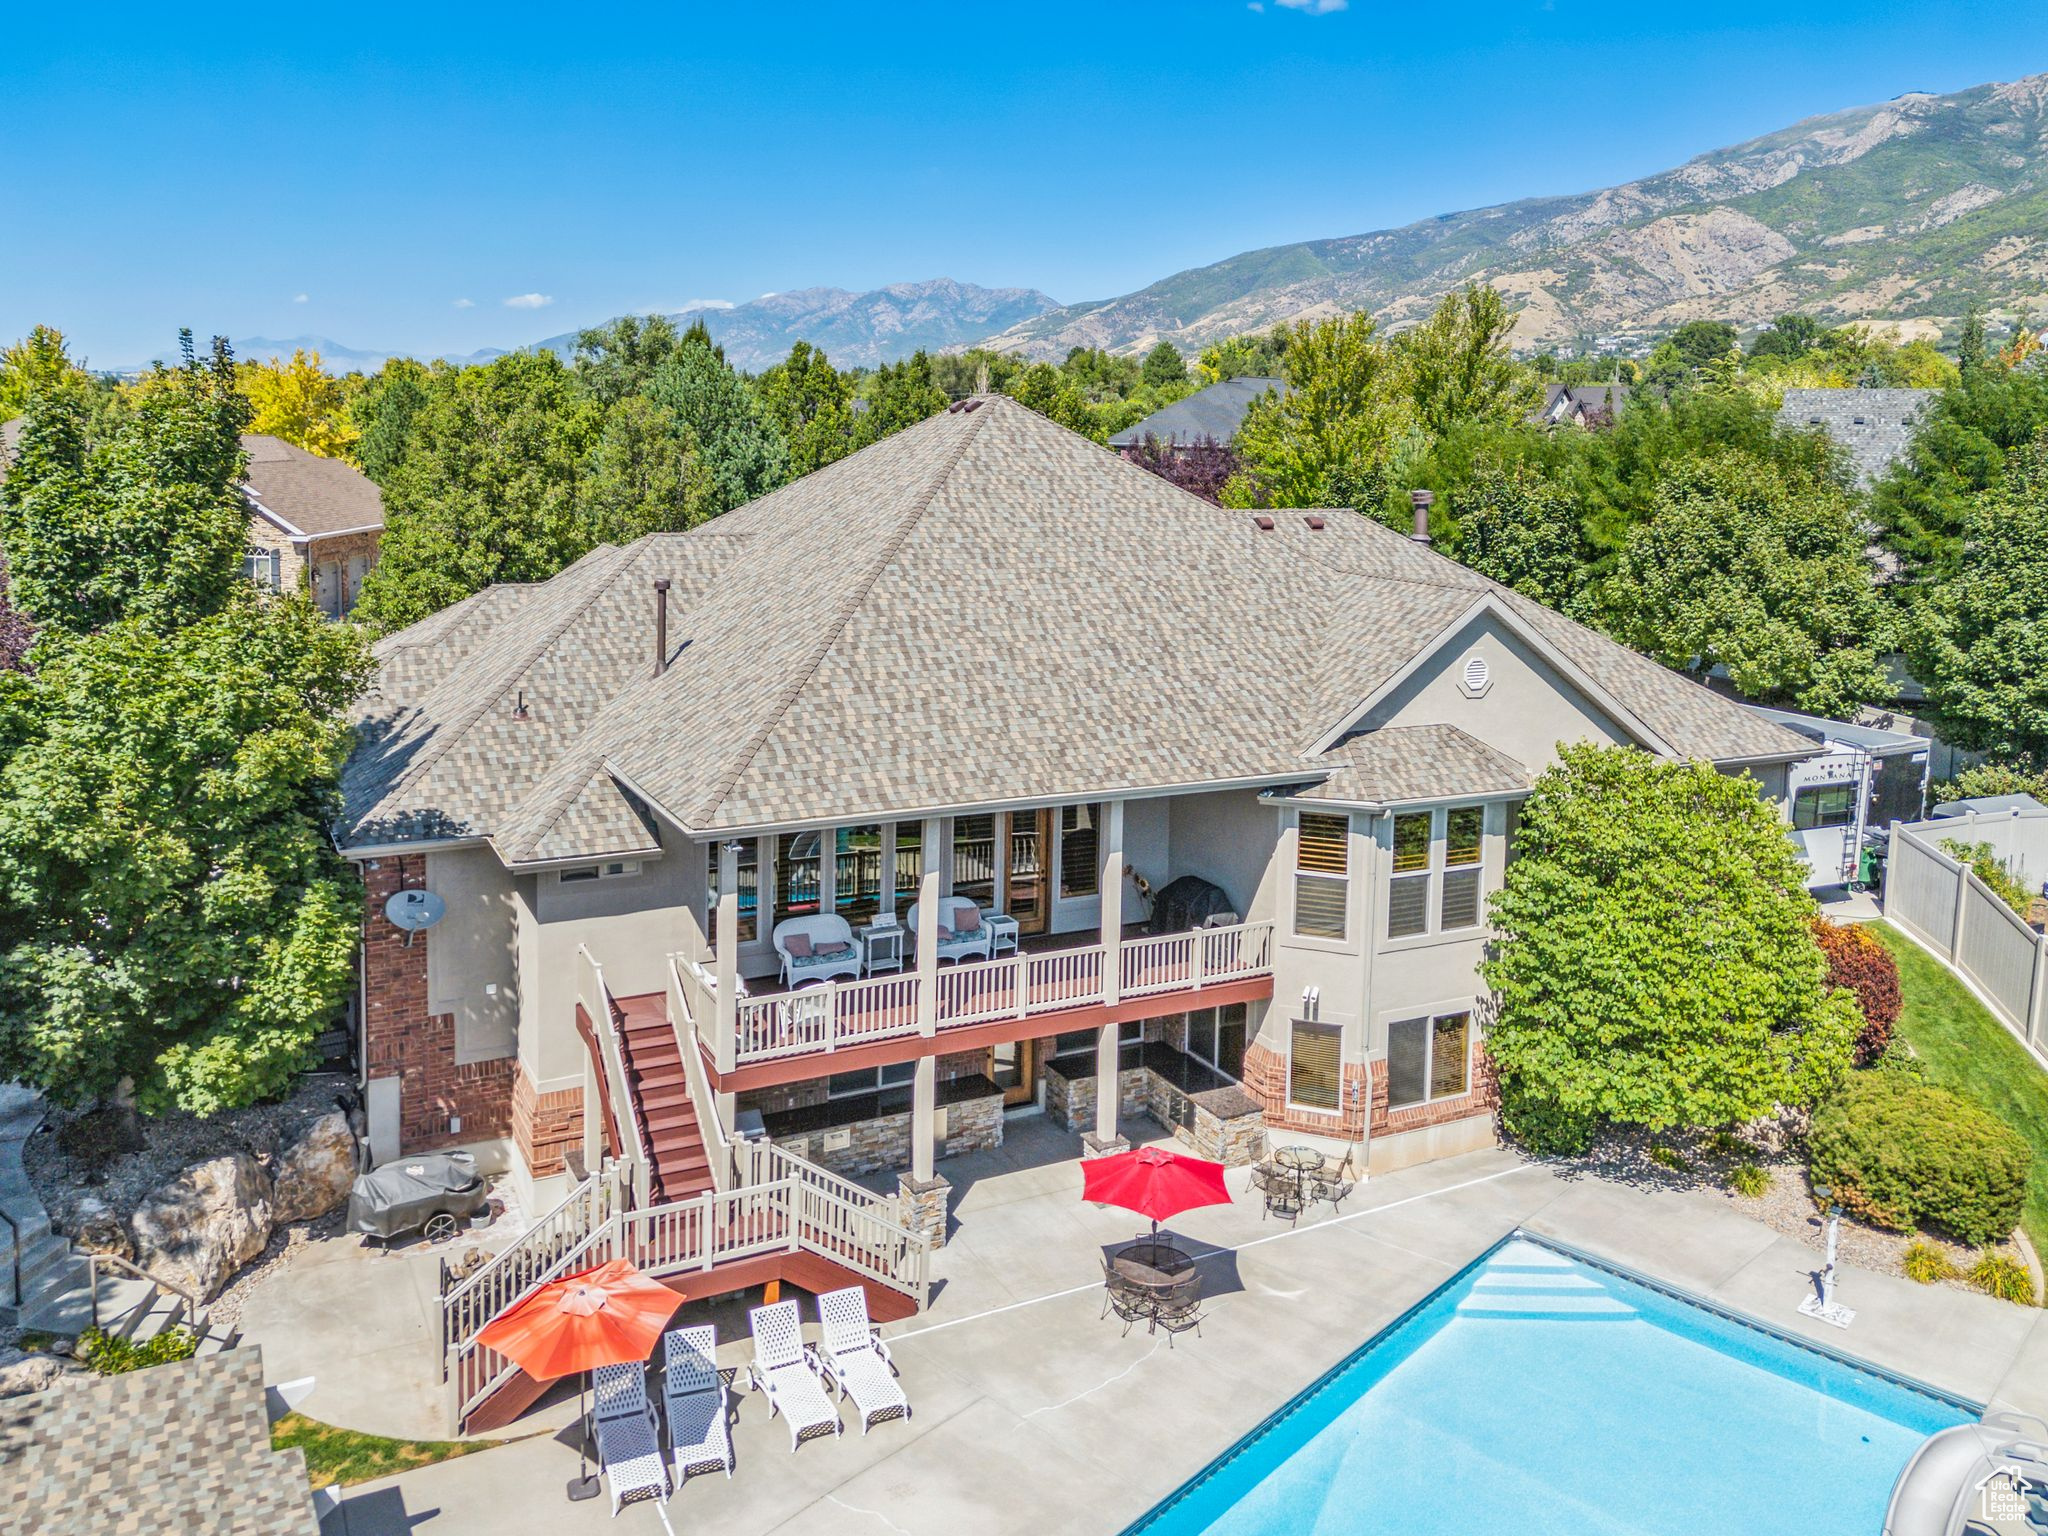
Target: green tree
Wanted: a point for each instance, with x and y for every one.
(1788, 336)
(1972, 350)
(1328, 439)
(1978, 641)
(1244, 357)
(1961, 445)
(1052, 393)
(1690, 353)
(148, 523)
(811, 402)
(1740, 568)
(175, 913)
(739, 449)
(1164, 366)
(39, 365)
(1655, 964)
(382, 414)
(1523, 530)
(485, 488)
(895, 396)
(1458, 365)
(642, 477)
(620, 359)
(299, 401)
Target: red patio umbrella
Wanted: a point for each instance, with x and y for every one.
(1153, 1182)
(609, 1315)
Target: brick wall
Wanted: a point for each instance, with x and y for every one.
(1265, 1079)
(545, 1125)
(291, 566)
(402, 1040)
(1483, 1099)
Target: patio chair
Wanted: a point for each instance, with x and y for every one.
(857, 1358)
(1132, 1303)
(789, 1372)
(628, 1449)
(961, 930)
(1333, 1182)
(698, 1401)
(1279, 1190)
(815, 948)
(620, 1391)
(1180, 1308)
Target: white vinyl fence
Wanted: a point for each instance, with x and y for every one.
(1942, 903)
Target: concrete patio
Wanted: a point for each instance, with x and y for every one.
(1034, 1415)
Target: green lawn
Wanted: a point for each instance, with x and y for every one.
(1969, 1052)
(346, 1456)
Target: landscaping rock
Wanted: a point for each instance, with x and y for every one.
(205, 1224)
(314, 1173)
(95, 1227)
(26, 1371)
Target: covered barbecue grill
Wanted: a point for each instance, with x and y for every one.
(1189, 902)
(434, 1193)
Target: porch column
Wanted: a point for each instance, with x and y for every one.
(928, 932)
(999, 860)
(1105, 1140)
(725, 1036)
(922, 1195)
(1110, 884)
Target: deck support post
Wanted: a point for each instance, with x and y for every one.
(924, 1118)
(1110, 886)
(725, 1033)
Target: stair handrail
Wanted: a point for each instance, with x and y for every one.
(13, 1255)
(94, 1260)
(903, 1258)
(597, 1002)
(718, 1146)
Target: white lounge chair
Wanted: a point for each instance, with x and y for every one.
(955, 942)
(698, 1402)
(826, 944)
(628, 1450)
(790, 1373)
(857, 1358)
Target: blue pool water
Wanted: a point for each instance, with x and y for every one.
(1543, 1396)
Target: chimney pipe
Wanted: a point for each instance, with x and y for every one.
(1422, 501)
(661, 585)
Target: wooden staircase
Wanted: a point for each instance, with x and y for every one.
(658, 1085)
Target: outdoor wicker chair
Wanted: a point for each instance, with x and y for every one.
(699, 1402)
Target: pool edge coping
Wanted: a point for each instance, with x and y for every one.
(1567, 1250)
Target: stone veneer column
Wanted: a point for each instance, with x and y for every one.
(924, 1205)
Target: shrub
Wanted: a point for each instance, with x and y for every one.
(1927, 1264)
(109, 1355)
(1670, 1157)
(2003, 1276)
(1749, 1181)
(1901, 1058)
(1857, 961)
(1993, 871)
(1901, 1153)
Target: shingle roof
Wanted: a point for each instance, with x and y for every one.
(1400, 764)
(315, 496)
(1215, 412)
(985, 607)
(1875, 426)
(179, 1447)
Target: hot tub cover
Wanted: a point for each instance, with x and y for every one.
(401, 1195)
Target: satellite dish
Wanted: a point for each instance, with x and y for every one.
(415, 910)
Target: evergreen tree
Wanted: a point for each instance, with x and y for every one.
(740, 452)
(1164, 366)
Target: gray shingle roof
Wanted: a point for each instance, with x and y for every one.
(316, 496)
(1874, 425)
(985, 607)
(181, 1447)
(1215, 412)
(1399, 764)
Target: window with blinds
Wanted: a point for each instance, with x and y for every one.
(1314, 1070)
(1464, 839)
(1080, 859)
(1322, 879)
(1408, 884)
(1428, 1059)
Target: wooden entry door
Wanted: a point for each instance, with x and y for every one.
(1030, 870)
(1014, 1068)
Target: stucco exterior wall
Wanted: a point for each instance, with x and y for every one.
(472, 963)
(1227, 837)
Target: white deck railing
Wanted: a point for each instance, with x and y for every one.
(595, 998)
(837, 1015)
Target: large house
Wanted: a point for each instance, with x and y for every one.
(979, 773)
(1875, 426)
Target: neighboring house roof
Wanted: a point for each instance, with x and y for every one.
(1578, 402)
(1875, 426)
(178, 1447)
(983, 608)
(306, 495)
(1215, 412)
(1993, 805)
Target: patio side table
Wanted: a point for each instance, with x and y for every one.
(881, 948)
(1002, 933)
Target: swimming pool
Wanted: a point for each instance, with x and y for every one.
(1550, 1396)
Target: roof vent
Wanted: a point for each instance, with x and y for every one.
(519, 706)
(972, 403)
(1421, 501)
(1263, 522)
(1477, 675)
(1314, 521)
(661, 585)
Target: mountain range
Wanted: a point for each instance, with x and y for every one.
(1905, 212)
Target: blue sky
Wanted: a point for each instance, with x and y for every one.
(392, 177)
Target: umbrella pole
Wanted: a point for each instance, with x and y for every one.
(584, 1486)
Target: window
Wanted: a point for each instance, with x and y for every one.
(1428, 1059)
(909, 859)
(749, 893)
(1130, 1032)
(796, 874)
(607, 871)
(1464, 838)
(1408, 886)
(845, 1085)
(857, 872)
(265, 567)
(1216, 1035)
(1313, 1070)
(1322, 875)
(1080, 862)
(1824, 805)
(974, 859)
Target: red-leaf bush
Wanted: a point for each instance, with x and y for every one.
(1863, 965)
